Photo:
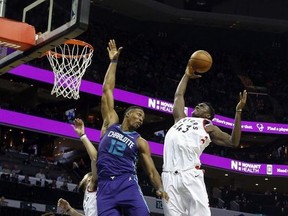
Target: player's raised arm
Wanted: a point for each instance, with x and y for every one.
(91, 150)
(222, 138)
(80, 130)
(179, 102)
(107, 100)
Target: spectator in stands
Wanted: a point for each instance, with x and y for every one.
(82, 164)
(64, 186)
(53, 184)
(6, 169)
(40, 175)
(26, 180)
(5, 177)
(69, 179)
(14, 178)
(27, 161)
(2, 201)
(75, 189)
(16, 170)
(61, 178)
(47, 173)
(80, 169)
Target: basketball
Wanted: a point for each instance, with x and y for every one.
(201, 61)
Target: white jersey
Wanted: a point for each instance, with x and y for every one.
(90, 202)
(184, 143)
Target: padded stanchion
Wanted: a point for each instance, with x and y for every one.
(16, 35)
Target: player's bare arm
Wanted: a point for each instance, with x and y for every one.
(107, 100)
(221, 138)
(179, 102)
(150, 169)
(80, 130)
(94, 175)
(91, 150)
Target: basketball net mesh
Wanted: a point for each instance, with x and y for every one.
(69, 63)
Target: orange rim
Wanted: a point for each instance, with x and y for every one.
(73, 42)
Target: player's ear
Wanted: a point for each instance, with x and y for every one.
(127, 114)
(208, 116)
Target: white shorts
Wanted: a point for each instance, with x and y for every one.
(187, 192)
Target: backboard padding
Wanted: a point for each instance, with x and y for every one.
(48, 40)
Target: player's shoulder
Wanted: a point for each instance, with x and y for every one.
(210, 128)
(141, 139)
(142, 144)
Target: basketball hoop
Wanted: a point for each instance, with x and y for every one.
(69, 62)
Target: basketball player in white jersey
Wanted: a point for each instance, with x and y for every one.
(89, 182)
(185, 141)
(89, 200)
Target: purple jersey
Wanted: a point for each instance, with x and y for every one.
(118, 188)
(117, 152)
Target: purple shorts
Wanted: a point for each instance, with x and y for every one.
(121, 194)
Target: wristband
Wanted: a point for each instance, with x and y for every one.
(82, 136)
(240, 110)
(114, 61)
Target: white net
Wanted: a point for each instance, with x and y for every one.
(69, 62)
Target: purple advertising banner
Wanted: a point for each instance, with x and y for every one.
(147, 102)
(38, 124)
(43, 125)
(244, 167)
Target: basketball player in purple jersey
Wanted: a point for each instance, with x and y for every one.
(184, 143)
(118, 151)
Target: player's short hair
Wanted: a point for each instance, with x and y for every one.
(211, 110)
(132, 108)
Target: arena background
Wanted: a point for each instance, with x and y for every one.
(248, 43)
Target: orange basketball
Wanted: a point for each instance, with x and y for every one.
(201, 61)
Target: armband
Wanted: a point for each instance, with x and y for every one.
(82, 136)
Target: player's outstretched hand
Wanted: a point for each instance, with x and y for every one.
(242, 100)
(78, 126)
(113, 51)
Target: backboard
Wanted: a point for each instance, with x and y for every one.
(55, 21)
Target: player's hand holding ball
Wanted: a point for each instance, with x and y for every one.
(200, 62)
(190, 71)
